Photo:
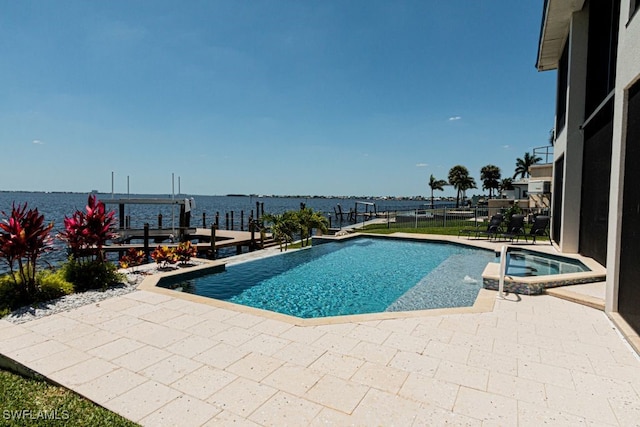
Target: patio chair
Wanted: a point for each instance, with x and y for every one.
(540, 228)
(492, 229)
(515, 228)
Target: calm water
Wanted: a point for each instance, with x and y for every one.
(364, 275)
(55, 206)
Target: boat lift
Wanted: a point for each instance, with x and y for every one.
(366, 213)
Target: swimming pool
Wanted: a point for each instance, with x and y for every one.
(531, 273)
(522, 263)
(356, 276)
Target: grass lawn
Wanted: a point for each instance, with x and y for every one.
(382, 229)
(29, 402)
(451, 230)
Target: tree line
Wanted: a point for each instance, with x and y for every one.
(490, 175)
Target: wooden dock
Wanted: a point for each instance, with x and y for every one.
(206, 241)
(202, 236)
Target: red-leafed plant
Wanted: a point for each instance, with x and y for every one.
(163, 256)
(132, 258)
(86, 234)
(185, 251)
(23, 238)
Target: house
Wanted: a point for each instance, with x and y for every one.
(595, 47)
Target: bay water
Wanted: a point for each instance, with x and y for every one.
(56, 205)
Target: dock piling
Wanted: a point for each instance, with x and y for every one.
(146, 241)
(252, 229)
(213, 241)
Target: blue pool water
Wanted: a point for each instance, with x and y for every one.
(522, 262)
(363, 275)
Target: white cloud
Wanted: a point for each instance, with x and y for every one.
(37, 141)
(422, 165)
(454, 118)
(506, 147)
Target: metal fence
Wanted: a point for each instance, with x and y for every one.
(434, 218)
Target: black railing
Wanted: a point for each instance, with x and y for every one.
(545, 153)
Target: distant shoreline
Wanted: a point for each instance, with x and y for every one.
(261, 196)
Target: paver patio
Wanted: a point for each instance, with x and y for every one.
(538, 360)
(160, 359)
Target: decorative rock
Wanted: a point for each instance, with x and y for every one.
(69, 302)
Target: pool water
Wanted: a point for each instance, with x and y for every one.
(526, 263)
(362, 275)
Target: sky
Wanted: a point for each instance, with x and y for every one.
(327, 97)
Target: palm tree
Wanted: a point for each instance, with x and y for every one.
(283, 227)
(506, 184)
(436, 184)
(461, 181)
(308, 219)
(523, 165)
(490, 176)
(467, 183)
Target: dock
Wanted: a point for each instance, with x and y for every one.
(201, 236)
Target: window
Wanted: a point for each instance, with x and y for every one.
(561, 96)
(601, 52)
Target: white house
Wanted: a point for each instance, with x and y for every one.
(595, 47)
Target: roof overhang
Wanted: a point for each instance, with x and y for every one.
(556, 20)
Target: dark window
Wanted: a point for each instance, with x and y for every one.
(629, 279)
(596, 177)
(602, 52)
(558, 183)
(561, 98)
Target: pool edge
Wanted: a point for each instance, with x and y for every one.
(484, 301)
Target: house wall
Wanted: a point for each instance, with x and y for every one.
(628, 73)
(544, 171)
(623, 220)
(570, 141)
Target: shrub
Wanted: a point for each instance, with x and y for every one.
(283, 227)
(184, 252)
(9, 295)
(163, 256)
(309, 219)
(23, 238)
(132, 258)
(511, 211)
(95, 274)
(86, 234)
(53, 284)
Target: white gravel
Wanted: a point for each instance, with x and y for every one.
(69, 302)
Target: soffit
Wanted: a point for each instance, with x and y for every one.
(555, 28)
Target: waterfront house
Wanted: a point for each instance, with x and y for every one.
(595, 47)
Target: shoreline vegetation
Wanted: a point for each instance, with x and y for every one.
(266, 196)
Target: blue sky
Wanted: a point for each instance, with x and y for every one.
(270, 97)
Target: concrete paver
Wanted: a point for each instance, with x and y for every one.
(158, 359)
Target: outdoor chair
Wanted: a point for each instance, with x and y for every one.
(540, 228)
(515, 228)
(492, 229)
